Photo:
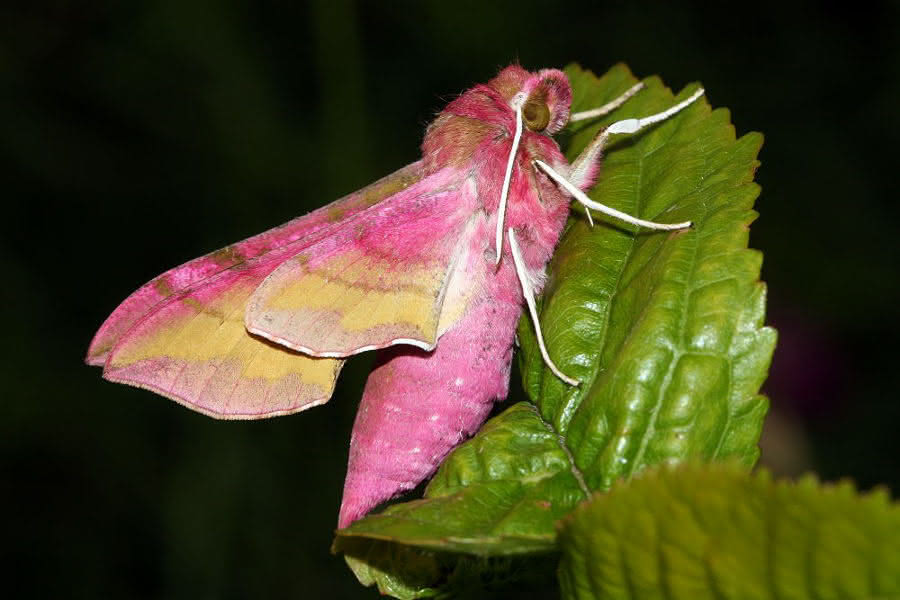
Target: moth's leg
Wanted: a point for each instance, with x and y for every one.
(587, 202)
(584, 168)
(608, 107)
(525, 281)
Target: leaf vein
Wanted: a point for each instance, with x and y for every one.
(561, 441)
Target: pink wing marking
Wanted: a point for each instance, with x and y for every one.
(379, 282)
(315, 225)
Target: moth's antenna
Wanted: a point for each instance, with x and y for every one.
(504, 191)
(583, 198)
(522, 273)
(609, 106)
(635, 125)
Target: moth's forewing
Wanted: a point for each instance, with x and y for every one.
(305, 230)
(183, 335)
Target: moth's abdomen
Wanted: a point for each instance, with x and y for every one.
(418, 406)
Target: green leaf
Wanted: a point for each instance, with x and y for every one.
(665, 331)
(499, 493)
(713, 531)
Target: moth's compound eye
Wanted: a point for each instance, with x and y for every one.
(536, 114)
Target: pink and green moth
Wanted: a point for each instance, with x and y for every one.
(431, 266)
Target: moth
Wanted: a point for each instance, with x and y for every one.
(430, 266)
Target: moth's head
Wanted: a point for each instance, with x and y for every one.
(545, 96)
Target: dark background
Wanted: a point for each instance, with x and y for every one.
(136, 135)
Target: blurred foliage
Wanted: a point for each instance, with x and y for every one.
(711, 531)
(137, 135)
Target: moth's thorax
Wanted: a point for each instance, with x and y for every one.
(474, 136)
(482, 120)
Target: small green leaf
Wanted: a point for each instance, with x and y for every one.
(400, 571)
(713, 531)
(407, 572)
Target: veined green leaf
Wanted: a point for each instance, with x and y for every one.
(499, 493)
(665, 330)
(712, 531)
